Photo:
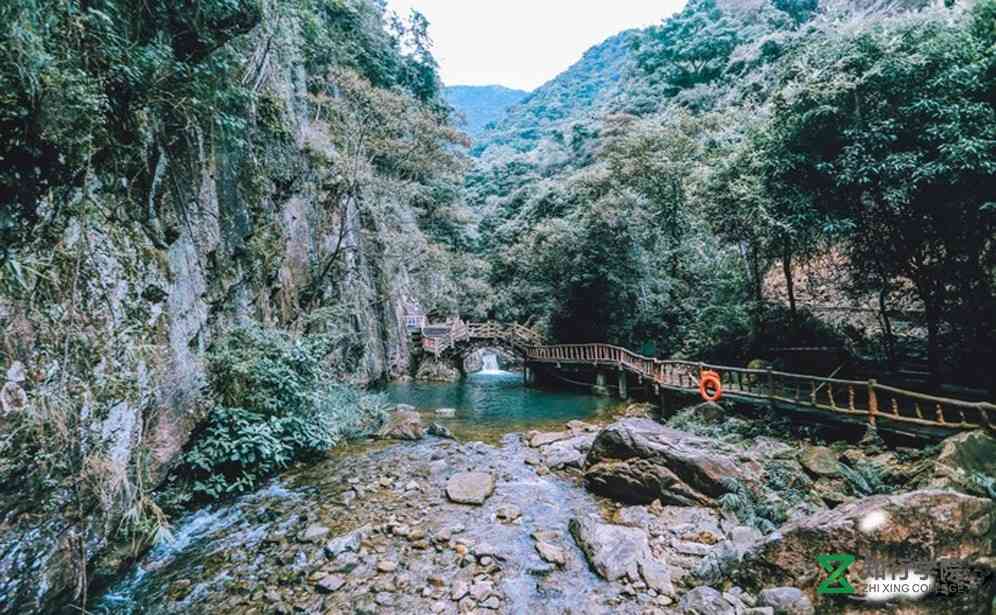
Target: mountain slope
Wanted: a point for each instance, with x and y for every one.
(481, 105)
(585, 91)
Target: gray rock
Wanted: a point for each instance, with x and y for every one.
(552, 553)
(638, 461)
(568, 453)
(657, 576)
(346, 542)
(819, 461)
(470, 487)
(721, 561)
(786, 601)
(613, 551)
(543, 438)
(705, 601)
(440, 431)
(943, 523)
(16, 372)
(508, 513)
(331, 583)
(480, 591)
(386, 565)
(314, 533)
(403, 425)
(963, 456)
(459, 589)
(491, 603)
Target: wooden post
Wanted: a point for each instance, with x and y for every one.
(771, 388)
(872, 402)
(987, 411)
(623, 388)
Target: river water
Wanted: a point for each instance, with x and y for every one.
(491, 403)
(243, 553)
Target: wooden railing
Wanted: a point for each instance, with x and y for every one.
(437, 339)
(866, 399)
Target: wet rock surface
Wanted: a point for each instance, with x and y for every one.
(403, 424)
(638, 461)
(440, 526)
(396, 543)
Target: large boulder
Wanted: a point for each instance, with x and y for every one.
(470, 487)
(921, 525)
(638, 461)
(964, 459)
(433, 369)
(567, 453)
(819, 461)
(614, 551)
(403, 425)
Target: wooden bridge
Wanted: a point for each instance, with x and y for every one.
(437, 339)
(862, 400)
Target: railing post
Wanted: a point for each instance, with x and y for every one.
(872, 402)
(987, 411)
(771, 387)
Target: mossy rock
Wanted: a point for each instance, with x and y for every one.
(967, 462)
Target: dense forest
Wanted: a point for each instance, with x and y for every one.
(215, 214)
(678, 188)
(480, 106)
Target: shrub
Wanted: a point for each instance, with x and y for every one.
(274, 405)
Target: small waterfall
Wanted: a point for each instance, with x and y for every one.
(490, 363)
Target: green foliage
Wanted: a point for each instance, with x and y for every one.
(799, 10)
(274, 405)
(356, 35)
(691, 48)
(88, 85)
(865, 479)
(895, 151)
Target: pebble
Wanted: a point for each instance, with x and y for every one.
(386, 565)
(331, 583)
(491, 603)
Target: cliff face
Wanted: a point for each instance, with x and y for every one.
(104, 342)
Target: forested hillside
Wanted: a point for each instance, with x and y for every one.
(669, 191)
(480, 106)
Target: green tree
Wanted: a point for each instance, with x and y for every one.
(690, 48)
(898, 146)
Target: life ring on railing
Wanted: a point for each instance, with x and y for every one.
(710, 386)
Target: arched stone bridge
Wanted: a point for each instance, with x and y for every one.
(860, 401)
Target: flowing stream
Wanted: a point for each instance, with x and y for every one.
(248, 552)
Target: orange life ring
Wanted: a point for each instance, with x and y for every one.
(710, 386)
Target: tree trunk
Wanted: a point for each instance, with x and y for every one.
(933, 346)
(888, 341)
(757, 322)
(789, 280)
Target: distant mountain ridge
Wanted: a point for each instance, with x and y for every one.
(482, 105)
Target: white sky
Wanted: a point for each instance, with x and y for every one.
(524, 43)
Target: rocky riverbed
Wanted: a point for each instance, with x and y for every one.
(629, 517)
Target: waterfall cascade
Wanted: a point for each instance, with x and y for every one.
(490, 363)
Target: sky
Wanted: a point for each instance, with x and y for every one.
(523, 44)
